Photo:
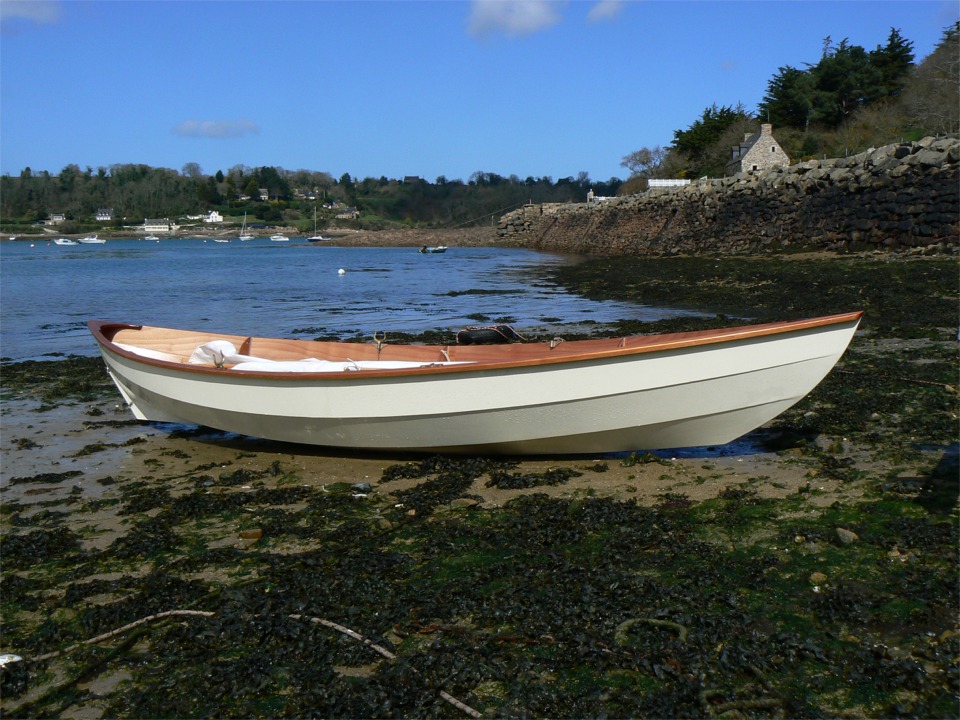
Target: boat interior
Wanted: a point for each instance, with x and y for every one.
(225, 350)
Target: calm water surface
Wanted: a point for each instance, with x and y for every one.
(48, 292)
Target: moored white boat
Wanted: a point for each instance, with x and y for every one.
(316, 237)
(244, 235)
(279, 238)
(432, 249)
(65, 241)
(91, 240)
(618, 394)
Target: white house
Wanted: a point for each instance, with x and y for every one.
(213, 217)
(105, 214)
(157, 225)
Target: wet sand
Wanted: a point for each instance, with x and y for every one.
(93, 441)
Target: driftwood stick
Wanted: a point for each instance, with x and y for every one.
(463, 707)
(120, 631)
(459, 705)
(206, 613)
(347, 631)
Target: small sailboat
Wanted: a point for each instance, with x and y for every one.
(316, 236)
(244, 235)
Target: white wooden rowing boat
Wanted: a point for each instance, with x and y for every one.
(618, 394)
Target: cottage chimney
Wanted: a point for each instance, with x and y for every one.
(766, 129)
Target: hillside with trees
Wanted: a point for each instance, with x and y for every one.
(847, 101)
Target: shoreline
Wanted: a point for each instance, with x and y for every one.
(476, 237)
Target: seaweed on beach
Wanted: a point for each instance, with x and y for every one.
(71, 378)
(905, 299)
(565, 607)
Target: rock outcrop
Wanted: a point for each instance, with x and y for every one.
(902, 197)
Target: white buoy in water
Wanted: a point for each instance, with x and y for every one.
(341, 271)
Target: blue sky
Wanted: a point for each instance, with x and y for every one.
(429, 88)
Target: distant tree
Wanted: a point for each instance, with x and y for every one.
(272, 179)
(68, 178)
(789, 98)
(209, 193)
(932, 98)
(192, 170)
(645, 162)
(700, 147)
(893, 61)
(230, 188)
(219, 176)
(844, 81)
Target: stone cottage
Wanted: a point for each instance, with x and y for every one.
(759, 151)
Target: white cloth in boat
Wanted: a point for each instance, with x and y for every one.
(220, 352)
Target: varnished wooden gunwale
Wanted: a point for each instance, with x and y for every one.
(480, 357)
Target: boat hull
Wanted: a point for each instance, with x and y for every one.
(661, 398)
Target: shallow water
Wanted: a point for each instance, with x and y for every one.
(48, 292)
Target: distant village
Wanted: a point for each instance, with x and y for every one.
(758, 151)
(340, 211)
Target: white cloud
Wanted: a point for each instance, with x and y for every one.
(512, 17)
(605, 10)
(216, 128)
(38, 12)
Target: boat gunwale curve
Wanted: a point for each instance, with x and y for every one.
(103, 332)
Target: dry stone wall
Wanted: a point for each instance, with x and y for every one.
(903, 197)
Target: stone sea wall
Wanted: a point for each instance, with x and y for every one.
(902, 197)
